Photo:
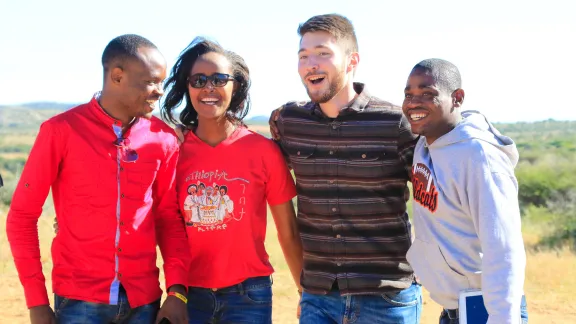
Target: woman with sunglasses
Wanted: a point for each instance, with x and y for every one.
(241, 172)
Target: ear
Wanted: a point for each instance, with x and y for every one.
(116, 75)
(458, 98)
(353, 61)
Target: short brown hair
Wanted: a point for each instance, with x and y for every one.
(336, 25)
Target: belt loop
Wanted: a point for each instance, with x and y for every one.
(452, 313)
(241, 288)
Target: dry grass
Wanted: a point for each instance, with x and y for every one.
(13, 155)
(18, 139)
(550, 282)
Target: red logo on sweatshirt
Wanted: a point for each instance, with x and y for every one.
(424, 189)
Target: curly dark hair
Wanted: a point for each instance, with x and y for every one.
(177, 84)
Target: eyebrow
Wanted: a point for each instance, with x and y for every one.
(421, 87)
(315, 47)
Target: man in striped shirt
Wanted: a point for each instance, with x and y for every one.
(351, 154)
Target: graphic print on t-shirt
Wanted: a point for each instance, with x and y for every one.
(208, 206)
(424, 188)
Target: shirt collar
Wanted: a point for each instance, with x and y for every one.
(357, 105)
(102, 115)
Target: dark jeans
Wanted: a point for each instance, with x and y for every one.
(403, 307)
(247, 302)
(72, 311)
(451, 316)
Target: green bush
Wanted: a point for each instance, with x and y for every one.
(7, 191)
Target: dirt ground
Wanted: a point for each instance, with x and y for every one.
(550, 284)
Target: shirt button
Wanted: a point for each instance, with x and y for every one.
(121, 223)
(121, 169)
(26, 185)
(331, 152)
(331, 181)
(338, 263)
(122, 196)
(334, 209)
(363, 156)
(298, 153)
(119, 249)
(334, 127)
(119, 275)
(338, 236)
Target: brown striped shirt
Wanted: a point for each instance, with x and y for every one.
(351, 177)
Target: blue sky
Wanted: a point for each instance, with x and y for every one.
(516, 57)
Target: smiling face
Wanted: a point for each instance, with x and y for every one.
(211, 102)
(140, 82)
(322, 65)
(430, 108)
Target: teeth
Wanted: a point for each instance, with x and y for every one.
(314, 78)
(152, 103)
(417, 116)
(209, 99)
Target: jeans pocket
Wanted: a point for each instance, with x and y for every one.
(407, 297)
(259, 296)
(59, 303)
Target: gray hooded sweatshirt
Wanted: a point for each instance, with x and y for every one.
(467, 219)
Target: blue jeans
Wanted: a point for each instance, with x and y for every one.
(72, 311)
(404, 307)
(451, 316)
(247, 302)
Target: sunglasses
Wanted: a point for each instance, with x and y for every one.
(123, 144)
(217, 79)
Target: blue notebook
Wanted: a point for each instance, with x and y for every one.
(471, 308)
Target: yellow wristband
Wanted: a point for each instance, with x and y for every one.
(179, 296)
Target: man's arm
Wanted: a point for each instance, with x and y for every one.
(172, 239)
(406, 143)
(40, 172)
(170, 229)
(274, 131)
(493, 201)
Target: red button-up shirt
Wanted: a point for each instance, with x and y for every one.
(111, 214)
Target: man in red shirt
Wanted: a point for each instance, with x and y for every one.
(111, 166)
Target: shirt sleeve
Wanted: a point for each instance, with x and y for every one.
(280, 125)
(280, 186)
(406, 143)
(40, 172)
(493, 201)
(170, 228)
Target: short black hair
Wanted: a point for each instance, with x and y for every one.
(445, 73)
(122, 48)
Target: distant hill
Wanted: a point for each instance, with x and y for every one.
(41, 105)
(256, 120)
(28, 116)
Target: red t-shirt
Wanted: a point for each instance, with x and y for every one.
(222, 192)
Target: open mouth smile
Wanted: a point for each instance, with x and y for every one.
(209, 101)
(316, 79)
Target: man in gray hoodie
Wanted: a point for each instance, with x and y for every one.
(466, 214)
